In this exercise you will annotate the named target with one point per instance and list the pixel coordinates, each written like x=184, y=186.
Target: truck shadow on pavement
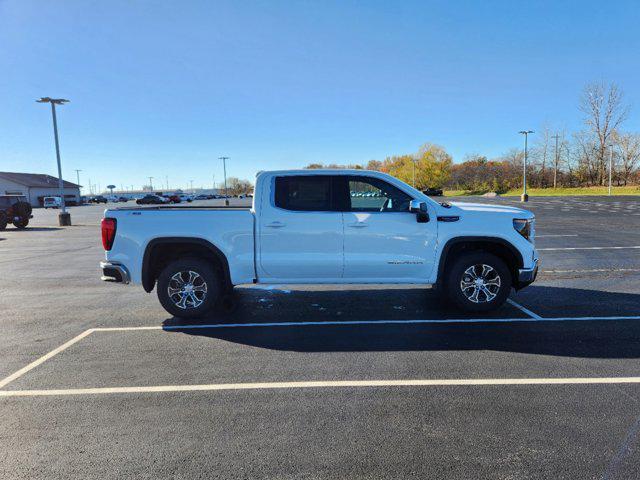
x=589, y=339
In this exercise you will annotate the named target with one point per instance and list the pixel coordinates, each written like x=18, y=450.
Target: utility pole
x=166, y=177
x=610, y=165
x=78, y=180
x=151, y=183
x=64, y=218
x=524, y=197
x=90, y=188
x=555, y=165
x=224, y=167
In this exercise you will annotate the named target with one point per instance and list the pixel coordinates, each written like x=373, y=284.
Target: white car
x=305, y=227
x=52, y=202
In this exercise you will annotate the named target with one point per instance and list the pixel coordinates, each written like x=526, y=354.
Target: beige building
x=36, y=186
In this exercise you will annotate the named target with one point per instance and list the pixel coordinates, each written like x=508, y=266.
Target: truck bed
x=181, y=207
x=229, y=229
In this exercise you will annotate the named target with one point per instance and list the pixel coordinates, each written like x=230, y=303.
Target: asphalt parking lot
x=325, y=382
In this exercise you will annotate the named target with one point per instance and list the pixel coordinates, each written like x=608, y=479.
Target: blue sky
x=165, y=88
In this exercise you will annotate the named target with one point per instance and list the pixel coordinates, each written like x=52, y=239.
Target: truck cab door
x=299, y=231
x=384, y=242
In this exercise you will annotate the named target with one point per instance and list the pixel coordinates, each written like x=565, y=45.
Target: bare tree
x=540, y=154
x=604, y=112
x=628, y=146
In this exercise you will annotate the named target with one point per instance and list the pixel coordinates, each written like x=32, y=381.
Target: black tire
x=21, y=223
x=471, y=266
x=206, y=275
x=3, y=220
x=22, y=209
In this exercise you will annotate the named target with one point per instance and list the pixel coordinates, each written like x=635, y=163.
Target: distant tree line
x=555, y=158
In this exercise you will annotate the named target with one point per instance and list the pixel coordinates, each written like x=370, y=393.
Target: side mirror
x=420, y=209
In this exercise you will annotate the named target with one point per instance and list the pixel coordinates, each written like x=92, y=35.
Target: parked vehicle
x=202, y=197
x=151, y=200
x=123, y=199
x=14, y=209
x=185, y=198
x=433, y=192
x=98, y=199
x=52, y=202
x=310, y=227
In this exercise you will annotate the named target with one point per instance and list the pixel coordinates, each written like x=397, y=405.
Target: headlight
x=524, y=227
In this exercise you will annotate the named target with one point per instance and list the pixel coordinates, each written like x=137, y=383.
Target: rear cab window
x=305, y=193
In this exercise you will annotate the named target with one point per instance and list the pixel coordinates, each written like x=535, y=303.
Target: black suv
x=14, y=209
x=150, y=200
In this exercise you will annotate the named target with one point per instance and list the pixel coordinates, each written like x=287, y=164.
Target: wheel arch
x=500, y=247
x=161, y=251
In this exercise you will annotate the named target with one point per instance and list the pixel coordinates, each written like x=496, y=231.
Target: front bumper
x=526, y=276
x=114, y=272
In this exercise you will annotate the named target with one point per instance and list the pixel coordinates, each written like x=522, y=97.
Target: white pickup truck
x=321, y=226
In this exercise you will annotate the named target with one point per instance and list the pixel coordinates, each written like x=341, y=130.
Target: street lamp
x=224, y=167
x=524, y=197
x=151, y=183
x=64, y=218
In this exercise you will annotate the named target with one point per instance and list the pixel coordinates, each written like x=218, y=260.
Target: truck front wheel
x=188, y=288
x=478, y=282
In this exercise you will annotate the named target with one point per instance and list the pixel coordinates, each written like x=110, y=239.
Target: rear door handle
x=275, y=224
x=358, y=225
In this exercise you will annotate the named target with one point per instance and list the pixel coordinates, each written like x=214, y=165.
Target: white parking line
x=534, y=319
x=593, y=270
x=44, y=358
x=325, y=384
x=559, y=235
x=523, y=309
x=399, y=322
x=587, y=248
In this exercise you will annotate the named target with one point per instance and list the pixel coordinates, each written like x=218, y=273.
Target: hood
x=486, y=208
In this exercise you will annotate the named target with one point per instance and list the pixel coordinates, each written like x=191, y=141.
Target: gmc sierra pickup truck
x=321, y=226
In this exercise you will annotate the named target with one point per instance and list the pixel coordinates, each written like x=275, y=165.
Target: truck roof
x=321, y=171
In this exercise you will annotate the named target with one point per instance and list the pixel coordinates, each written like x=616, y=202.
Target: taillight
x=108, y=232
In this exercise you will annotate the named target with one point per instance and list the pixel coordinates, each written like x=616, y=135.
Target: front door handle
x=275, y=224
x=358, y=225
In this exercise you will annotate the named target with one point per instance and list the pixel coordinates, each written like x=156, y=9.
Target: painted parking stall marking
x=326, y=384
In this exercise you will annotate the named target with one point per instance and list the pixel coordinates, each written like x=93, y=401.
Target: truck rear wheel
x=188, y=288
x=478, y=282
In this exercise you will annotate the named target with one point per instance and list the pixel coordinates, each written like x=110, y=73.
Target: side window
x=374, y=195
x=304, y=193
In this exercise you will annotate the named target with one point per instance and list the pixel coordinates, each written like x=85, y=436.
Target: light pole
x=64, y=218
x=524, y=197
x=78, y=180
x=151, y=183
x=191, y=182
x=610, y=165
x=224, y=167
